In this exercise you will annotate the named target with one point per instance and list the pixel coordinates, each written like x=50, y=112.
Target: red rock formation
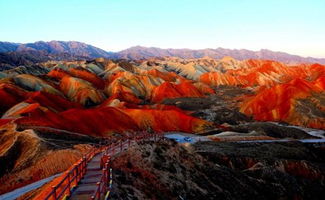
x=4, y=121
x=10, y=95
x=58, y=73
x=147, y=86
x=94, y=122
x=81, y=91
x=278, y=103
x=33, y=83
x=52, y=102
x=88, y=76
x=78, y=73
x=21, y=109
x=262, y=73
x=139, y=85
x=166, y=76
x=111, y=77
x=170, y=90
x=122, y=96
x=166, y=120
x=204, y=88
x=105, y=120
x=217, y=78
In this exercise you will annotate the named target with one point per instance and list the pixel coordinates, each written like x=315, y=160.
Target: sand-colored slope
x=30, y=158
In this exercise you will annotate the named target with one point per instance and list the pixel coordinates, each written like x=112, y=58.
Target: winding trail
x=88, y=185
x=91, y=176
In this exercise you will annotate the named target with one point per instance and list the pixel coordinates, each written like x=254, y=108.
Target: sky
x=292, y=26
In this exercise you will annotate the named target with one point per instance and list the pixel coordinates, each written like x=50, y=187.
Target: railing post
x=54, y=192
x=105, y=178
x=78, y=177
x=98, y=188
x=69, y=184
x=84, y=165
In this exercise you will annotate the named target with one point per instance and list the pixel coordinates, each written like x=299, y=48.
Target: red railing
x=105, y=185
x=72, y=177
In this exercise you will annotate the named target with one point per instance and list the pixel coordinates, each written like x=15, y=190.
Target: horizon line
x=168, y=48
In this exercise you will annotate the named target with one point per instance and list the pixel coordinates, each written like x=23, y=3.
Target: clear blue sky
x=293, y=26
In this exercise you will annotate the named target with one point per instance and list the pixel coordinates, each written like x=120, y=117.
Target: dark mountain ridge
x=16, y=54
x=8, y=47
x=71, y=47
x=77, y=49
x=13, y=59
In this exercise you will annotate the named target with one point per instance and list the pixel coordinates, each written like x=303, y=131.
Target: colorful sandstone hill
x=102, y=96
x=52, y=111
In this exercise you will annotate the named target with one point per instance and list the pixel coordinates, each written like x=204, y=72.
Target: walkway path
x=91, y=186
x=91, y=176
x=87, y=185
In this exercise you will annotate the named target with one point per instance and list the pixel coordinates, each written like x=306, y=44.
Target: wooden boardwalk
x=91, y=176
x=87, y=185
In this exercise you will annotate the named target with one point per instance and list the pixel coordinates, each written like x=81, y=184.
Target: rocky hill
x=210, y=170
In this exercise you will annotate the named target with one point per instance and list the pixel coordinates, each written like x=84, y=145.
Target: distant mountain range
x=140, y=52
x=20, y=54
x=15, y=54
x=12, y=59
x=56, y=47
